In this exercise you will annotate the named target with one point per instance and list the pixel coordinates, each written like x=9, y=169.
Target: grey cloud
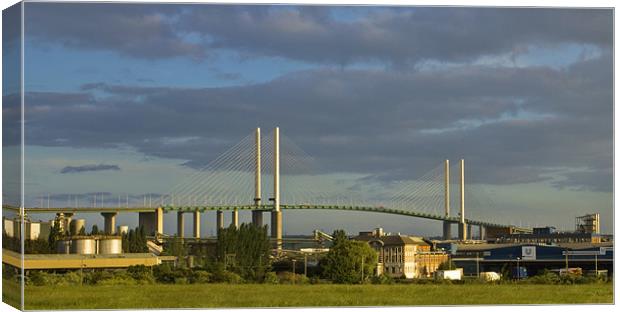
x=364, y=121
x=89, y=168
x=397, y=35
x=136, y=30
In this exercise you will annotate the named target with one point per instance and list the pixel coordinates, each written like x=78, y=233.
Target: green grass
x=256, y=295
x=11, y=293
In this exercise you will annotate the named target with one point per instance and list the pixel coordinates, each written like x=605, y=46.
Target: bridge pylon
x=257, y=215
x=447, y=225
x=276, y=214
x=462, y=225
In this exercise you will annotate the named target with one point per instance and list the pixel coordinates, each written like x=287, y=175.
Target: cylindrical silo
x=63, y=246
x=83, y=246
x=110, y=245
x=123, y=229
x=77, y=225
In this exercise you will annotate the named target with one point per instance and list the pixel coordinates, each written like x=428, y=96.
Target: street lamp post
x=294, y=270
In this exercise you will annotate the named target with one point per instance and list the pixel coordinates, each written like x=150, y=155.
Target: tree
x=447, y=265
x=54, y=236
x=94, y=230
x=347, y=259
x=244, y=250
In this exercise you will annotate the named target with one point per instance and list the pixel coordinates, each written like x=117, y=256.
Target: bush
x=200, y=277
x=141, y=273
x=290, y=278
x=382, y=279
x=271, y=278
x=544, y=278
x=227, y=277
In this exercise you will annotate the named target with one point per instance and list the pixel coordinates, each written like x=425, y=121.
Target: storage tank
x=63, y=246
x=77, y=225
x=84, y=246
x=111, y=245
x=122, y=229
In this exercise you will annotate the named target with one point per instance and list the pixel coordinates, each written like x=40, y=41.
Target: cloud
x=393, y=35
x=511, y=124
x=141, y=31
x=89, y=168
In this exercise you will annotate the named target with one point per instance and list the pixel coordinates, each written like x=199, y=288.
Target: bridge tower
x=462, y=225
x=257, y=215
x=276, y=213
x=447, y=225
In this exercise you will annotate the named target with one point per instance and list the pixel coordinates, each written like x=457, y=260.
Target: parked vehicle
x=449, y=274
x=490, y=276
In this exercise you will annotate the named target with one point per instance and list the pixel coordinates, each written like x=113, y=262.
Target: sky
x=131, y=99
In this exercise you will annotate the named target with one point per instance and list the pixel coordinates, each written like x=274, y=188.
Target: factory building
x=548, y=235
x=33, y=230
x=474, y=258
x=403, y=256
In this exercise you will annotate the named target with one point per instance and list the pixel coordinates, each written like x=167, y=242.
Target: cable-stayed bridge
x=270, y=173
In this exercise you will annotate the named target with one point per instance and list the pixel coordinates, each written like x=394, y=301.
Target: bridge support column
x=219, y=220
x=462, y=225
x=276, y=214
x=482, y=231
x=153, y=222
x=196, y=224
x=257, y=218
x=257, y=215
x=180, y=225
x=109, y=222
x=470, y=232
x=235, y=218
x=447, y=230
x=463, y=231
x=68, y=216
x=276, y=228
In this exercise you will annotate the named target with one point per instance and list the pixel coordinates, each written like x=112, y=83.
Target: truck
x=449, y=274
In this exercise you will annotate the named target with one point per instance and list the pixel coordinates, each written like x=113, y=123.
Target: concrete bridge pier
x=235, y=218
x=152, y=221
x=219, y=220
x=463, y=231
x=196, y=224
x=276, y=228
x=257, y=218
x=109, y=222
x=180, y=225
x=469, y=231
x=447, y=230
x=482, y=231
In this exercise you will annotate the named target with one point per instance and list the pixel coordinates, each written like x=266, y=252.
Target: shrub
x=290, y=278
x=271, y=278
x=382, y=279
x=222, y=276
x=200, y=277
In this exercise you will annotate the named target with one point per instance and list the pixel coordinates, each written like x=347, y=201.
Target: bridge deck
x=377, y=209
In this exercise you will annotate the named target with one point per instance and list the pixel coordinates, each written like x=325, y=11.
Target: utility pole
x=362, y=281
x=294, y=277
x=306, y=265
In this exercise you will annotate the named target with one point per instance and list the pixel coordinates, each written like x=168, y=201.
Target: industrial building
x=33, y=230
x=475, y=258
x=403, y=256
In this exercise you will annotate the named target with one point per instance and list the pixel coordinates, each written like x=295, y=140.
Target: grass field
x=11, y=293
x=256, y=295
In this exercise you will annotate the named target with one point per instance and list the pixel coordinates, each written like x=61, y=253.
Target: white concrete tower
x=276, y=214
x=447, y=233
x=257, y=216
x=462, y=225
